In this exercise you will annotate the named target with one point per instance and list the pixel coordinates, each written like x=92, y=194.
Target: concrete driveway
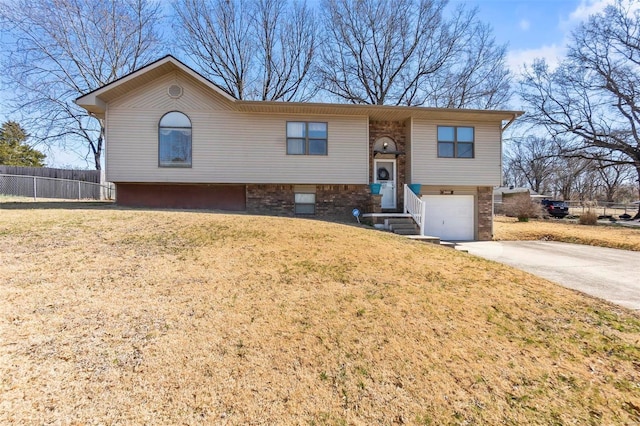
x=609, y=274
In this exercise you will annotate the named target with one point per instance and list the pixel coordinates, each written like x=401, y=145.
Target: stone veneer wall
x=396, y=131
x=485, y=213
x=335, y=201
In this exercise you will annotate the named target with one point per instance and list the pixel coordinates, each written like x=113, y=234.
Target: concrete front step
x=436, y=240
x=450, y=245
x=406, y=231
x=402, y=226
x=424, y=238
x=399, y=220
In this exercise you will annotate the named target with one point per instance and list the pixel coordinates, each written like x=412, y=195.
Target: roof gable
x=95, y=101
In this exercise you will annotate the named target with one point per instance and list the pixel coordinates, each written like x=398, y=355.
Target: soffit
x=375, y=112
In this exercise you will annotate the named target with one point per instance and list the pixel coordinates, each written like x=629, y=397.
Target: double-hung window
x=306, y=138
x=455, y=142
x=305, y=203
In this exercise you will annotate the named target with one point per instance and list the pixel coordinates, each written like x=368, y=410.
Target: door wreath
x=383, y=174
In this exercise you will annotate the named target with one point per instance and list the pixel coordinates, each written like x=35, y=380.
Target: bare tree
x=533, y=160
x=539, y=163
x=287, y=39
x=579, y=177
x=477, y=77
x=569, y=177
x=612, y=174
x=406, y=53
x=60, y=49
x=253, y=49
x=591, y=99
x=216, y=35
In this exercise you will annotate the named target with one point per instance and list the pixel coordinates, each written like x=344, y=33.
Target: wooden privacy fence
x=48, y=172
x=43, y=187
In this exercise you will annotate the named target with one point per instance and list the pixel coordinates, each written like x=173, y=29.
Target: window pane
x=305, y=198
x=175, y=147
x=445, y=149
x=318, y=130
x=317, y=146
x=175, y=119
x=305, y=208
x=465, y=150
x=295, y=146
x=446, y=134
x=295, y=130
x=465, y=134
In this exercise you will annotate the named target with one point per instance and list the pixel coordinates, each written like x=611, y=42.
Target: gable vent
x=174, y=91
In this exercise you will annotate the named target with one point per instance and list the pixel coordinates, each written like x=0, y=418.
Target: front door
x=385, y=174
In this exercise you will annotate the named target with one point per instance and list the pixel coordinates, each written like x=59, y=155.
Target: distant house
x=502, y=193
x=175, y=139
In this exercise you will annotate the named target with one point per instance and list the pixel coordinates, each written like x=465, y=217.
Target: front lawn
x=111, y=316
x=613, y=236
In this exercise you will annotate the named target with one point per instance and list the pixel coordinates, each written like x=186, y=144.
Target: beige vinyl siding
x=227, y=146
x=485, y=169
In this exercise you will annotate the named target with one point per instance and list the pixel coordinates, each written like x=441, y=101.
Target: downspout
x=501, y=170
x=510, y=122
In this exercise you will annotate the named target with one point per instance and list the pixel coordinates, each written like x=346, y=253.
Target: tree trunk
x=637, y=164
x=97, y=148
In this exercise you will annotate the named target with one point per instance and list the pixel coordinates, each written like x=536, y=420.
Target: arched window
x=174, y=140
x=384, y=145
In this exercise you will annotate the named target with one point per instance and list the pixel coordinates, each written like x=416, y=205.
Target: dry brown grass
x=133, y=317
x=613, y=236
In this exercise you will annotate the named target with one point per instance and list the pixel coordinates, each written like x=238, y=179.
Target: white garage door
x=450, y=217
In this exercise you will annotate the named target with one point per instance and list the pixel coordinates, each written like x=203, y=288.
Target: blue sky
x=534, y=28
x=531, y=28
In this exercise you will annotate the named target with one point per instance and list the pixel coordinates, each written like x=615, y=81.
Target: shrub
x=522, y=207
x=588, y=218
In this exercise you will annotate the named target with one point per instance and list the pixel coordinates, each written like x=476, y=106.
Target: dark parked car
x=555, y=208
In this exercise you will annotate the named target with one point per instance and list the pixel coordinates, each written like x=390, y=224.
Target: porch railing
x=415, y=207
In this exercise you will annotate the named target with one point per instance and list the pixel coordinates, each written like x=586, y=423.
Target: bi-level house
x=174, y=139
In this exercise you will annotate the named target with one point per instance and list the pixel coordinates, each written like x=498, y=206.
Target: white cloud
x=587, y=8
x=553, y=54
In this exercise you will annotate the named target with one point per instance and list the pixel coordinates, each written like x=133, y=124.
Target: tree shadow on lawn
x=111, y=205
x=98, y=205
x=59, y=205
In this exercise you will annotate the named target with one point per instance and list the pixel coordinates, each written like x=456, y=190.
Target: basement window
x=305, y=203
